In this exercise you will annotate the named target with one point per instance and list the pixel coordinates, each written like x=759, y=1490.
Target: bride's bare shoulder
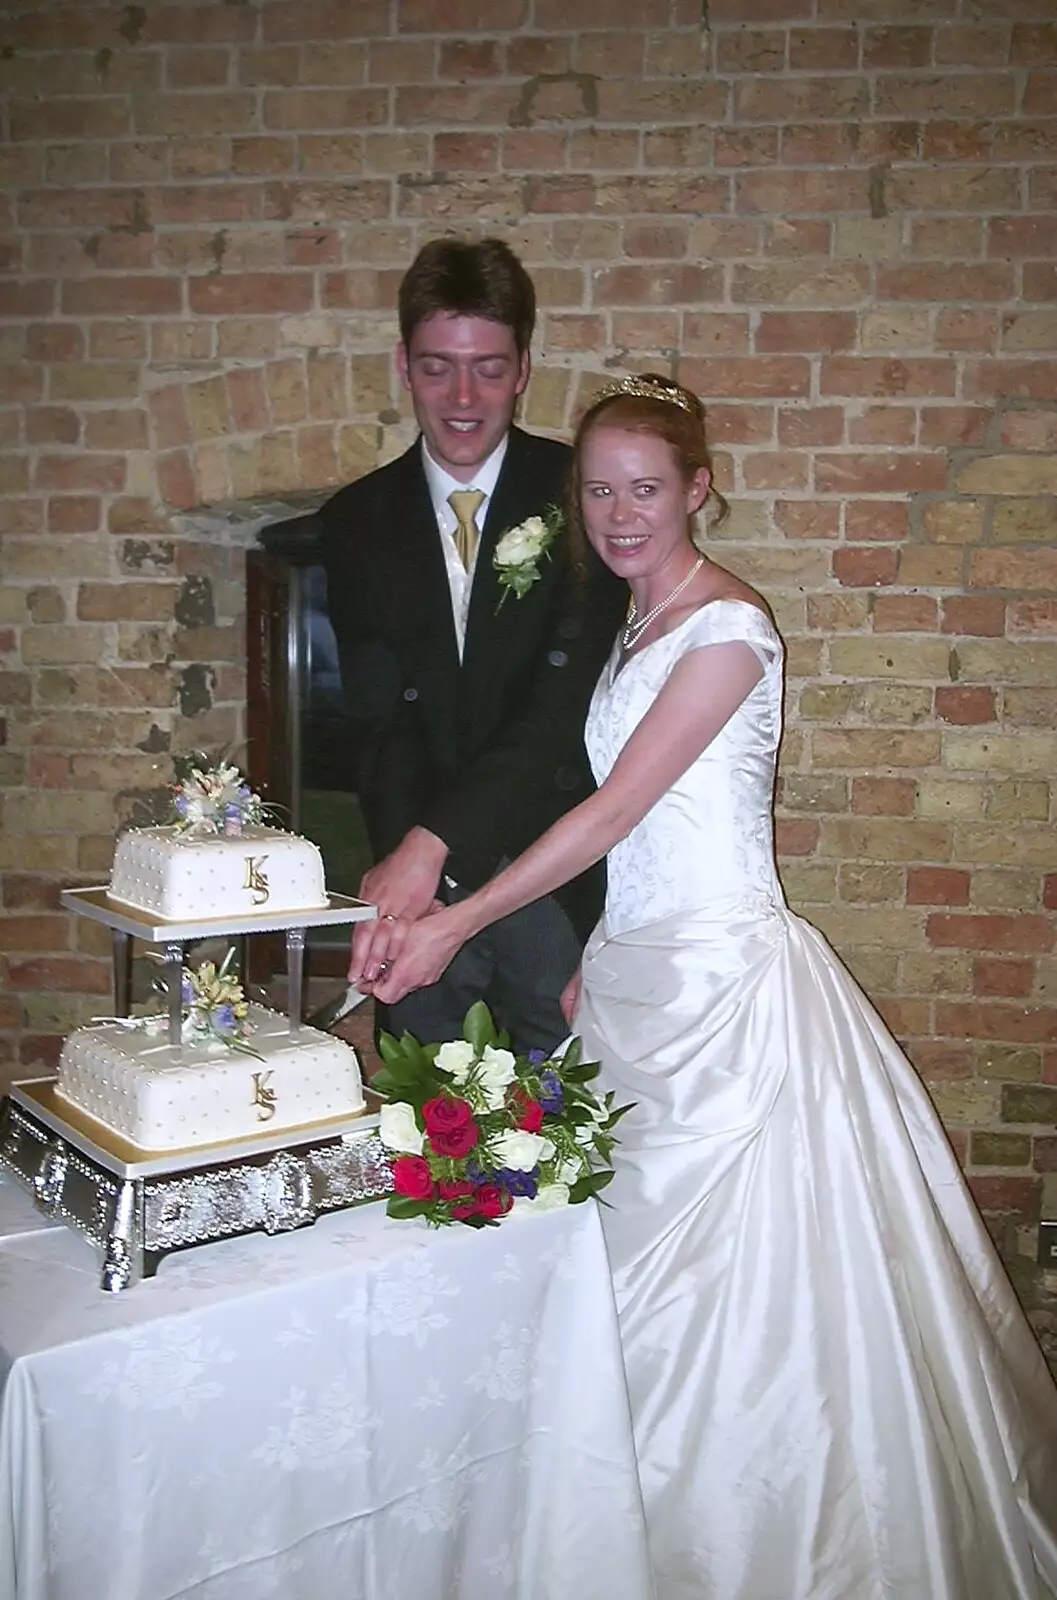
x=727, y=587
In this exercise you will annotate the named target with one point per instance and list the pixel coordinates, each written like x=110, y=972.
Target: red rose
x=531, y=1119
x=455, y=1142
x=492, y=1201
x=457, y=1189
x=444, y=1114
x=412, y=1177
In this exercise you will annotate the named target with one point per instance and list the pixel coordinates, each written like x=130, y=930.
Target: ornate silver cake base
x=136, y=1208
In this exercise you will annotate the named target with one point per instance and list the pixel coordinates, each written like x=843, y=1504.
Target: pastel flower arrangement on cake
x=520, y=550
x=215, y=1011
x=476, y=1132
x=215, y=799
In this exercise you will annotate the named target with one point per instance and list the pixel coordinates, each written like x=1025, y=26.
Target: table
x=367, y=1409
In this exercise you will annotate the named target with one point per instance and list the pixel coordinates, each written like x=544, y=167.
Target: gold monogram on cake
x=263, y=1096
x=256, y=879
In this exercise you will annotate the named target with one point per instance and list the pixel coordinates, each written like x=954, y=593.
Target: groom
x=469, y=712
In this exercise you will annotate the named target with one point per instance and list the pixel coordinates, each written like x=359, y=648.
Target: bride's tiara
x=645, y=388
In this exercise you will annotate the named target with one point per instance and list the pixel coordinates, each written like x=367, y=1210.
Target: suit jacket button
x=558, y=658
x=410, y=694
x=565, y=778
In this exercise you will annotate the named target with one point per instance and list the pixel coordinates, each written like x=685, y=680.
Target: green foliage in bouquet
x=475, y=1131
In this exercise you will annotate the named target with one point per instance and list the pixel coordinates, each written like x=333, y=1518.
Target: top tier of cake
x=180, y=876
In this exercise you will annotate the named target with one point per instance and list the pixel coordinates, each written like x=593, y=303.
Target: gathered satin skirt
x=836, y=1394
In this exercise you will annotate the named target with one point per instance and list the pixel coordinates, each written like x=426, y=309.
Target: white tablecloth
x=366, y=1410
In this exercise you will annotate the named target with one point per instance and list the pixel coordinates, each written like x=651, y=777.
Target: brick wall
x=835, y=218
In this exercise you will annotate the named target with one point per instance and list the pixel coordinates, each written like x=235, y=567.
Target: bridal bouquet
x=475, y=1131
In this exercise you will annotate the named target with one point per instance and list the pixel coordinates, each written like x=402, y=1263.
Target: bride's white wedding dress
x=836, y=1394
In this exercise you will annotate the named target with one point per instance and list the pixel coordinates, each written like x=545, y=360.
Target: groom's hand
x=404, y=883
x=403, y=886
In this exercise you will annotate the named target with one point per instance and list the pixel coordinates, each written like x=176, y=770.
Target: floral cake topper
x=215, y=800
x=520, y=550
x=215, y=1012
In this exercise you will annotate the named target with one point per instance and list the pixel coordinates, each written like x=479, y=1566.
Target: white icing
x=165, y=1097
x=179, y=877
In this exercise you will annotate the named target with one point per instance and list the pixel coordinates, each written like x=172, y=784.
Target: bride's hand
x=425, y=951
x=570, y=996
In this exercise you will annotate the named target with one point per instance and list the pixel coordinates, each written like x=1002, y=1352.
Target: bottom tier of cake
x=167, y=1097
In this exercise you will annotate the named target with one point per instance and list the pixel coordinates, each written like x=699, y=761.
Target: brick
x=286, y=109
x=1011, y=380
x=885, y=424
x=879, y=474
x=740, y=424
x=823, y=49
x=861, y=748
x=663, y=284
x=1029, y=1103
x=790, y=192
x=946, y=282
x=891, y=376
x=52, y=425
x=806, y=519
x=953, y=425
x=74, y=513
x=37, y=931
x=799, y=285
x=62, y=974
x=783, y=331
x=983, y=615
x=250, y=292
x=980, y=188
x=979, y=45
x=123, y=296
x=754, y=377
x=904, y=613
x=1014, y=569
x=1009, y=474
x=791, y=99
x=965, y=706
x=1030, y=330
x=816, y=425
x=865, y=568
x=659, y=192
x=104, y=474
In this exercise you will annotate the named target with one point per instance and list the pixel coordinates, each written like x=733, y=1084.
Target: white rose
x=520, y=1151
x=522, y=543
x=398, y=1129
x=569, y=1171
x=495, y=1075
x=456, y=1058
x=550, y=1197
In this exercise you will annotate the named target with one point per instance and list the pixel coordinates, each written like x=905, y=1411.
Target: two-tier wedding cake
x=238, y=1070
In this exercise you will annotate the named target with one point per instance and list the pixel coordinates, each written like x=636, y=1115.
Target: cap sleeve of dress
x=734, y=621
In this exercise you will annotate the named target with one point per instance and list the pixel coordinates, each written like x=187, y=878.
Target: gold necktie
x=464, y=503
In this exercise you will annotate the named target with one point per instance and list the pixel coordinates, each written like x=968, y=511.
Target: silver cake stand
x=137, y=1206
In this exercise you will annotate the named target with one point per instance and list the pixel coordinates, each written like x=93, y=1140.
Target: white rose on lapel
x=520, y=550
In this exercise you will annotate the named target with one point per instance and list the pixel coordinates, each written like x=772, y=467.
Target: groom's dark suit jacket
x=485, y=753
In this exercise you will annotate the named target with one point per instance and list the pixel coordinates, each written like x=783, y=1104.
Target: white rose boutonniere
x=520, y=550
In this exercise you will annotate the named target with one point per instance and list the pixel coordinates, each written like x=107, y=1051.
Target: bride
x=836, y=1395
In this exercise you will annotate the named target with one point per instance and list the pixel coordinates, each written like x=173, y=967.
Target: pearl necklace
x=636, y=626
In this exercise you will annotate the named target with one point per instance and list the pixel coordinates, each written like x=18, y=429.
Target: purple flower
x=525, y=1183
x=551, y=1095
x=224, y=1017
x=536, y=1057
x=187, y=993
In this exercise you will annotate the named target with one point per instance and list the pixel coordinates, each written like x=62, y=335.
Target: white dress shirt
x=441, y=484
